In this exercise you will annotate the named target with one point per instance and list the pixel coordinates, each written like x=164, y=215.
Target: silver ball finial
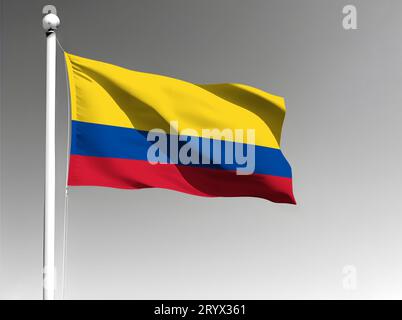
x=50, y=22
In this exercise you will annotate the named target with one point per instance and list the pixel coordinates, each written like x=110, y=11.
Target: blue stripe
x=90, y=139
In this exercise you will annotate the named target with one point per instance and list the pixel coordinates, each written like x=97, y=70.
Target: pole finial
x=50, y=21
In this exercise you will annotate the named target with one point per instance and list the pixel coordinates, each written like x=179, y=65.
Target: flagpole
x=50, y=23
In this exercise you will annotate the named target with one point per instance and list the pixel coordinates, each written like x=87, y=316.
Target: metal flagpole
x=50, y=23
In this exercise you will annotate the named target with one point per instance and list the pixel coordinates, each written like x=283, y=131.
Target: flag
x=135, y=130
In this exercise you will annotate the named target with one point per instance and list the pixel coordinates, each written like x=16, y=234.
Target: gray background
x=341, y=135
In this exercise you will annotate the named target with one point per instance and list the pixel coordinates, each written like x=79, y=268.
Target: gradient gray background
x=341, y=135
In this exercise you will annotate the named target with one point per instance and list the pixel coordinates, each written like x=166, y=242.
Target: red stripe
x=138, y=174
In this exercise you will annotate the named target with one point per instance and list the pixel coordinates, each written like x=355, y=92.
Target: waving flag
x=136, y=130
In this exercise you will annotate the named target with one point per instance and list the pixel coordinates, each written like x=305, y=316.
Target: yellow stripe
x=106, y=94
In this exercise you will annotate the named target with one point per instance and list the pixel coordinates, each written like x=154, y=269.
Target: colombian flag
x=114, y=110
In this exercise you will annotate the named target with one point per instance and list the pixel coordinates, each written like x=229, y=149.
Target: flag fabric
x=135, y=130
